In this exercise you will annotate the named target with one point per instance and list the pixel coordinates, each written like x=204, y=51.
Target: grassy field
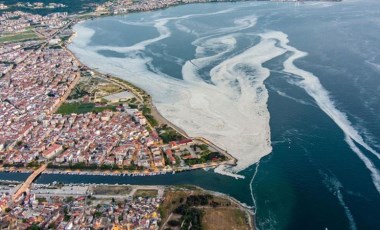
x=109, y=88
x=234, y=218
x=146, y=193
x=111, y=190
x=68, y=108
x=172, y=200
x=217, y=212
x=168, y=134
x=27, y=35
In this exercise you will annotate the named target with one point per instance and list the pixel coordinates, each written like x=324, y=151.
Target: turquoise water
x=323, y=171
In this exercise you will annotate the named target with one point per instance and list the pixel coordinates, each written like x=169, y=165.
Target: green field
x=145, y=193
x=68, y=108
x=27, y=35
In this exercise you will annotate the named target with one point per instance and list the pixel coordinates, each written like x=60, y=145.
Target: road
x=67, y=191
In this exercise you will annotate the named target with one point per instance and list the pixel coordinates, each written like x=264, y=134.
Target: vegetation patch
x=27, y=35
x=168, y=134
x=146, y=193
x=78, y=108
x=223, y=216
x=197, y=209
x=206, y=157
x=111, y=190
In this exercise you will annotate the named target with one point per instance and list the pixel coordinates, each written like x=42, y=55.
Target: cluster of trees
x=18, y=165
x=203, y=147
x=196, y=200
x=206, y=158
x=33, y=164
x=147, y=113
x=84, y=166
x=73, y=166
x=167, y=134
x=132, y=106
x=191, y=216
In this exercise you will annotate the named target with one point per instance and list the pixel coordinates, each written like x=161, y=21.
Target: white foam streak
x=160, y=25
x=283, y=94
x=314, y=88
x=251, y=187
x=334, y=185
x=164, y=32
x=223, y=170
x=233, y=112
x=375, y=174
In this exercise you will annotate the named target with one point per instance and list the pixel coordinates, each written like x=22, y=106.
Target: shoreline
x=247, y=210
x=196, y=116
x=155, y=112
x=108, y=172
x=232, y=161
x=132, y=89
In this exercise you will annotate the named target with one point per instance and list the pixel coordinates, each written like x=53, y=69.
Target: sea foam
x=231, y=111
x=311, y=84
x=231, y=108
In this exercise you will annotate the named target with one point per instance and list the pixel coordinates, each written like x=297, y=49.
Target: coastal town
x=59, y=206
x=58, y=116
x=104, y=206
x=270, y=82
x=104, y=129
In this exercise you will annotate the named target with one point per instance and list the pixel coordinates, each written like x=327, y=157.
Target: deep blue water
x=312, y=179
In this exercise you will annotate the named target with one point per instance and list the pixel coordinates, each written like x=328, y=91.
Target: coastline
x=232, y=161
x=159, y=117
x=194, y=110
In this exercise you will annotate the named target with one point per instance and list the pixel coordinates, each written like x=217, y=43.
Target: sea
x=292, y=90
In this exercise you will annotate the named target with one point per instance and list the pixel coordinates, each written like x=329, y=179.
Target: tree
x=174, y=223
x=34, y=227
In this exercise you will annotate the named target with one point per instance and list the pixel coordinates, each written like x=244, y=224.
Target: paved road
x=85, y=190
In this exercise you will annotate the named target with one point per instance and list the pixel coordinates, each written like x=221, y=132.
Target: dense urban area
x=55, y=111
